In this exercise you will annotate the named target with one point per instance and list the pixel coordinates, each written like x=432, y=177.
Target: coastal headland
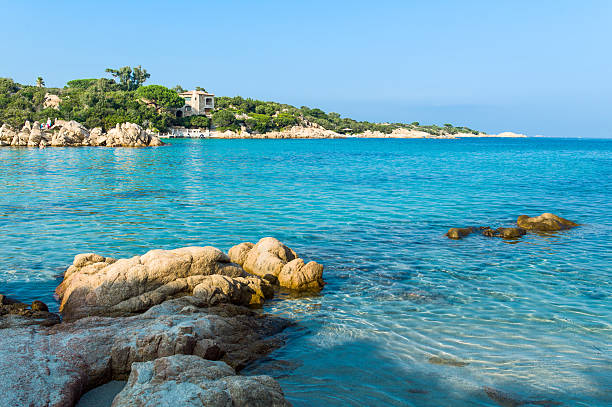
x=99, y=112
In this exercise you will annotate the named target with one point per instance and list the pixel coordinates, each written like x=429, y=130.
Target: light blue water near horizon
x=530, y=317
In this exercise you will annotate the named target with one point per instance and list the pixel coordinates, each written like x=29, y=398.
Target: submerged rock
x=277, y=263
x=505, y=233
x=546, y=222
x=458, y=233
x=187, y=380
x=437, y=360
x=508, y=400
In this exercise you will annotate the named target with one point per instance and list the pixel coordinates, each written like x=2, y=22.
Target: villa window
x=188, y=108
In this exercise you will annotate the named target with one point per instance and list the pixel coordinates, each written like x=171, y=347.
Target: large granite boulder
x=7, y=134
x=130, y=135
x=53, y=366
x=188, y=380
x=301, y=277
x=71, y=133
x=216, y=289
x=97, y=285
x=277, y=263
x=546, y=222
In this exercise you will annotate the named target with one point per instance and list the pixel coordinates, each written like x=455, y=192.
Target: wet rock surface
x=546, y=222
x=458, y=233
x=504, y=233
x=13, y=312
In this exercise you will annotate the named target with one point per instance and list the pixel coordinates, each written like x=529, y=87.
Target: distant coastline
x=317, y=132
x=103, y=103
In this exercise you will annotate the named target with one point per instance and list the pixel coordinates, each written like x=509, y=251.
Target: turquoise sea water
x=532, y=317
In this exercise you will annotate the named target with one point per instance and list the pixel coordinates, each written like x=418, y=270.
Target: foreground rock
x=546, y=222
x=73, y=134
x=97, y=285
x=186, y=380
x=119, y=313
x=54, y=366
x=277, y=263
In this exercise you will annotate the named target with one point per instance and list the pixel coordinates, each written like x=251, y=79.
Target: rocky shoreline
x=177, y=324
x=73, y=134
x=314, y=131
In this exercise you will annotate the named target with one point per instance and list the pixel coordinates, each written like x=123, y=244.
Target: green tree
x=178, y=89
x=139, y=76
x=285, y=120
x=224, y=119
x=160, y=96
x=200, y=89
x=81, y=83
x=130, y=79
x=40, y=82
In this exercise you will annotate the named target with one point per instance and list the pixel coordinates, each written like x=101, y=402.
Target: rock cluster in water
x=136, y=317
x=278, y=264
x=546, y=222
x=73, y=134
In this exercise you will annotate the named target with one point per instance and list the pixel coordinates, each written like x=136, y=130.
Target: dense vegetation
x=105, y=102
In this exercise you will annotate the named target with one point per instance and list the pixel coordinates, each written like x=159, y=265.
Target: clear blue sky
x=539, y=67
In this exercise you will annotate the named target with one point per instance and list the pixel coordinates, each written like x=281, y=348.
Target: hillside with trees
x=104, y=102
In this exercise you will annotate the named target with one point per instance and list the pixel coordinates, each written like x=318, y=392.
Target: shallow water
x=530, y=317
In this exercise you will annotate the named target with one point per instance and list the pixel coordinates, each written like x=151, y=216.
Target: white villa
x=197, y=102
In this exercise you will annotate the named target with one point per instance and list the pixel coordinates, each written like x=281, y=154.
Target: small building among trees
x=197, y=102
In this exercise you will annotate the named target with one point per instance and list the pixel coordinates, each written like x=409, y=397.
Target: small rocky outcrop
x=459, y=233
x=35, y=314
x=97, y=285
x=73, y=134
x=187, y=380
x=277, y=263
x=7, y=134
x=130, y=135
x=504, y=233
x=546, y=222
x=51, y=101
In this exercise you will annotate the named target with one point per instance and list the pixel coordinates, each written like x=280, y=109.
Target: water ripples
x=530, y=317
